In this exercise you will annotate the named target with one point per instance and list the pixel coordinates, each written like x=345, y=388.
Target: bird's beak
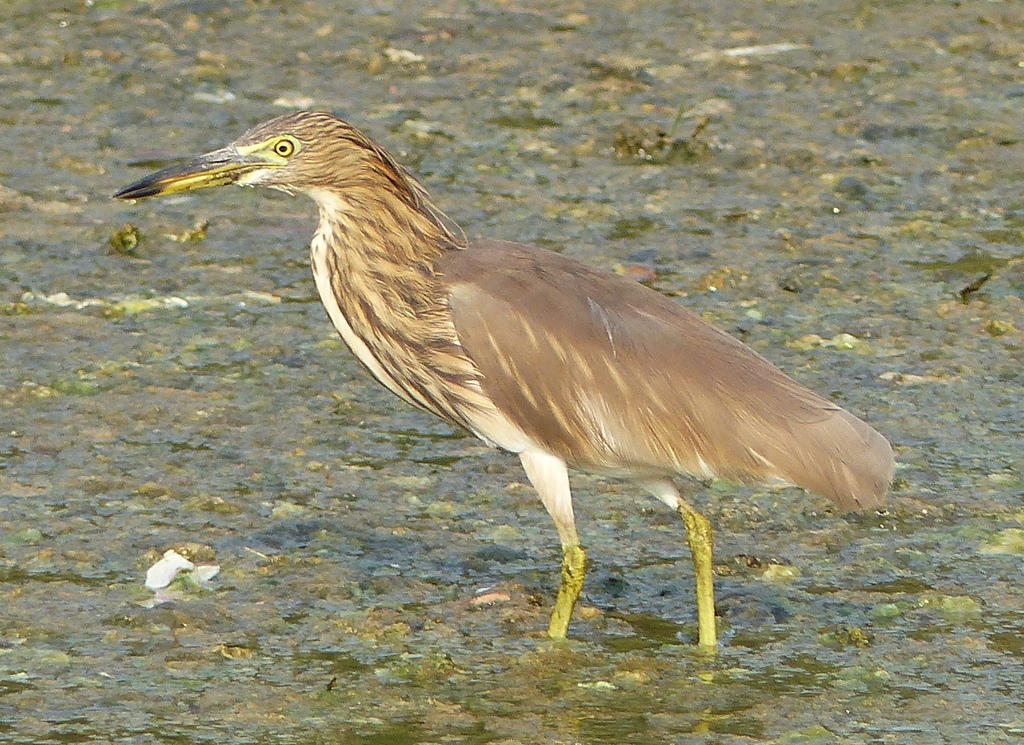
x=224, y=166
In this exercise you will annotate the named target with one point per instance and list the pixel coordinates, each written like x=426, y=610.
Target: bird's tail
x=839, y=457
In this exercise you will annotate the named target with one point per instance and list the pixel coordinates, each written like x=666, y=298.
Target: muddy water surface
x=836, y=183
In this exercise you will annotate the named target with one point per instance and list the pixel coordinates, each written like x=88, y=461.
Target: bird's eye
x=284, y=148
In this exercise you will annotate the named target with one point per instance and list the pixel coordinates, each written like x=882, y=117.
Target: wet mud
x=835, y=183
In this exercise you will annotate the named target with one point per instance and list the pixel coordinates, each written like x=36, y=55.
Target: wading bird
x=563, y=364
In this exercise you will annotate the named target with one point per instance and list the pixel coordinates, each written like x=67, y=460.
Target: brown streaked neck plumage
x=373, y=258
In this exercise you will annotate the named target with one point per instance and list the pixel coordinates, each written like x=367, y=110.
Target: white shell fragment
x=164, y=571
x=170, y=565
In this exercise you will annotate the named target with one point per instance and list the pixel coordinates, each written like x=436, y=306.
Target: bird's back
x=612, y=376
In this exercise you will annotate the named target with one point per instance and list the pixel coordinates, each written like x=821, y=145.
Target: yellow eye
x=284, y=148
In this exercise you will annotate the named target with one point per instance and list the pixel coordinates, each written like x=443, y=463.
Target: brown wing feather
x=567, y=350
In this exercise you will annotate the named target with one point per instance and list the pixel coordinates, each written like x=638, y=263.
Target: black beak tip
x=138, y=190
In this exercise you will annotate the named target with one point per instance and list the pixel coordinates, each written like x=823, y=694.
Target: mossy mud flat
x=836, y=183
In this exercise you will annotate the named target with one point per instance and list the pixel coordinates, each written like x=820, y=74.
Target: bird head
x=343, y=170
x=304, y=151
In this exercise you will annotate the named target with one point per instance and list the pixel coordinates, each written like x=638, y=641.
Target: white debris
x=170, y=565
x=128, y=304
x=221, y=96
x=295, y=101
x=402, y=56
x=760, y=50
x=164, y=571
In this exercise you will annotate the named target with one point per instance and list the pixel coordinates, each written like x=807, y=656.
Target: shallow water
x=839, y=169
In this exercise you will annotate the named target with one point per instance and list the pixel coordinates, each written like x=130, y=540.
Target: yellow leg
x=548, y=474
x=698, y=535
x=574, y=569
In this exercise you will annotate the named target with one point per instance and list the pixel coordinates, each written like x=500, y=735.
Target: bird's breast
x=418, y=359
x=323, y=269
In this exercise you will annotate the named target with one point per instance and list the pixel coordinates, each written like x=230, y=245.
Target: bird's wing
x=612, y=376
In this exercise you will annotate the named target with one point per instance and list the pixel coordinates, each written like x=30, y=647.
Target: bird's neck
x=373, y=259
x=388, y=226
x=381, y=252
